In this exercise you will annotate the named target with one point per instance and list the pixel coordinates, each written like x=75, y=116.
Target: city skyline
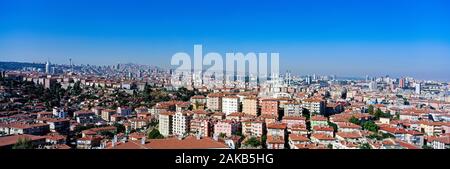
x=409, y=38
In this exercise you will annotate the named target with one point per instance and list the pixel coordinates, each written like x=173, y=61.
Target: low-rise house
x=318, y=120
x=56, y=125
x=414, y=137
x=297, y=139
x=275, y=142
x=138, y=123
x=441, y=143
x=323, y=130
x=399, y=133
x=89, y=142
x=354, y=137
x=299, y=129
x=293, y=120
x=347, y=127
x=322, y=138
x=189, y=142
x=23, y=128
x=7, y=142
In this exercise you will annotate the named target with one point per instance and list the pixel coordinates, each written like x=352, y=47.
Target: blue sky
x=342, y=37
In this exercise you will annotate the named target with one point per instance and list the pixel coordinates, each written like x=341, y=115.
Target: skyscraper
x=402, y=83
x=373, y=86
x=418, y=88
x=47, y=67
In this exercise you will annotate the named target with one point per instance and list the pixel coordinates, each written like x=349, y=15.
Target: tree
x=222, y=135
x=365, y=146
x=253, y=142
x=76, y=89
x=107, y=134
x=370, y=125
x=335, y=127
x=120, y=127
x=354, y=120
x=154, y=134
x=23, y=143
x=306, y=114
x=426, y=147
x=387, y=135
x=380, y=113
x=263, y=139
x=370, y=109
x=330, y=146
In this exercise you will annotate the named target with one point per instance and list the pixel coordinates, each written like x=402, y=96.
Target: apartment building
x=165, y=123
x=214, y=101
x=250, y=105
x=230, y=104
x=180, y=123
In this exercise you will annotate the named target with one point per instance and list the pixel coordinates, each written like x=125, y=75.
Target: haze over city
x=358, y=38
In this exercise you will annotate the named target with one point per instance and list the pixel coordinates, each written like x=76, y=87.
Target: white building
x=418, y=88
x=47, y=67
x=181, y=121
x=230, y=104
x=165, y=123
x=59, y=113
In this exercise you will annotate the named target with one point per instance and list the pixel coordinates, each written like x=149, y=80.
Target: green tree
x=253, y=142
x=154, y=134
x=426, y=147
x=23, y=143
x=120, y=127
x=107, y=134
x=370, y=109
x=222, y=135
x=306, y=114
x=365, y=146
x=335, y=127
x=380, y=113
x=370, y=125
x=263, y=139
x=329, y=146
x=354, y=120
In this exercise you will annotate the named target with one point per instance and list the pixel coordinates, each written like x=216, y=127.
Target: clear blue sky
x=342, y=37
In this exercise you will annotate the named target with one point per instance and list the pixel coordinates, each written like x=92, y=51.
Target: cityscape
x=132, y=106
x=262, y=75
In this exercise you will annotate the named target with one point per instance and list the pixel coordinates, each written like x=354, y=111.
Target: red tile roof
x=321, y=136
x=189, y=142
x=11, y=140
x=349, y=135
x=297, y=137
x=277, y=126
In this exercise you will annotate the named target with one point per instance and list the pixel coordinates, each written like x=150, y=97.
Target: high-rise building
x=47, y=67
x=418, y=88
x=373, y=86
x=308, y=79
x=402, y=83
